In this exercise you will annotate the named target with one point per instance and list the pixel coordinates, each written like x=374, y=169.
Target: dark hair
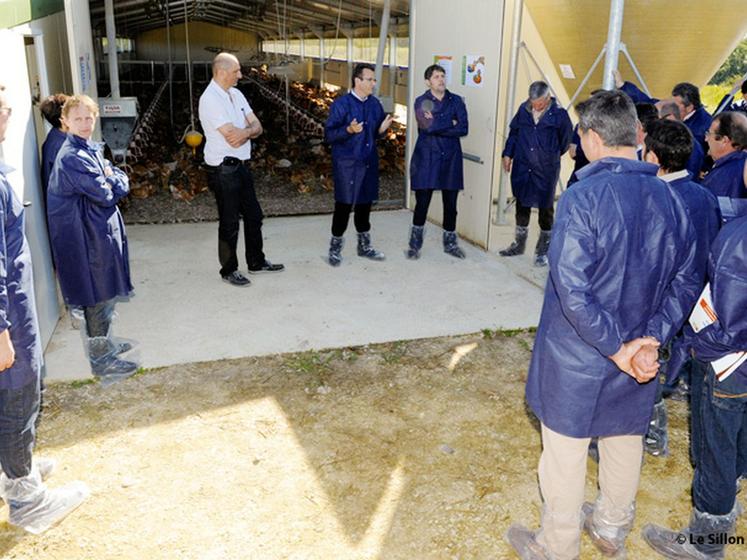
x=611, y=114
x=358, y=72
x=646, y=113
x=733, y=125
x=689, y=93
x=744, y=88
x=672, y=142
x=433, y=68
x=51, y=108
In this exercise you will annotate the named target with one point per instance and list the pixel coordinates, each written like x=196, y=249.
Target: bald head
x=226, y=70
x=224, y=61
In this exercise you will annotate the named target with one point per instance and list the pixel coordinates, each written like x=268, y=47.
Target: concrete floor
x=183, y=313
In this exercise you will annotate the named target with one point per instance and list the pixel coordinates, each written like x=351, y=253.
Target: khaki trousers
x=562, y=477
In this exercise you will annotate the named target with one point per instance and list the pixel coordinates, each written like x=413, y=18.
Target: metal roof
x=268, y=18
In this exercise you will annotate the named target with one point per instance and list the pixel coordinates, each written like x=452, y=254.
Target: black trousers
x=423, y=201
x=233, y=187
x=546, y=216
x=342, y=215
x=99, y=318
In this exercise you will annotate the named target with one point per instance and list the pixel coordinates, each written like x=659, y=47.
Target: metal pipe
x=383, y=33
x=189, y=67
x=171, y=69
x=510, y=102
x=412, y=125
x=624, y=50
x=322, y=61
x=392, y=65
x=583, y=83
x=613, y=43
x=539, y=68
x=111, y=38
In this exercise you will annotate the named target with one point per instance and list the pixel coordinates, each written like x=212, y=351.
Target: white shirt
x=669, y=177
x=217, y=108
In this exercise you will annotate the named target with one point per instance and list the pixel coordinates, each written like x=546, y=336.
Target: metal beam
x=613, y=43
x=383, y=31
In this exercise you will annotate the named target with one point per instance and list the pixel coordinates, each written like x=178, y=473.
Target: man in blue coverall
x=355, y=122
x=622, y=278
x=31, y=505
x=720, y=418
x=727, y=140
x=540, y=133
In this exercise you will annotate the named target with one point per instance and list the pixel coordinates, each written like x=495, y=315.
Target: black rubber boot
x=519, y=244
x=543, y=244
x=416, y=242
x=366, y=250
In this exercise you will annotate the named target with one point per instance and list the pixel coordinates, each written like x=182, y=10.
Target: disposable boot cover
x=712, y=530
x=525, y=543
x=656, y=442
x=335, y=250
x=34, y=507
x=416, y=242
x=451, y=247
x=102, y=354
x=543, y=244
x=518, y=246
x=366, y=250
x=608, y=536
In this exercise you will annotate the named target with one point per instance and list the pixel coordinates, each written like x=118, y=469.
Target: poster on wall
x=445, y=62
x=473, y=71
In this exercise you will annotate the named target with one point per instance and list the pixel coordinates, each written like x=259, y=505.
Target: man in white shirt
x=230, y=125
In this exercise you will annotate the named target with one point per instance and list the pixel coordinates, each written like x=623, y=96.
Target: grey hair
x=670, y=108
x=538, y=90
x=611, y=114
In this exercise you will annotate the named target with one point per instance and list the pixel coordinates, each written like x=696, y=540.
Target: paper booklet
x=703, y=315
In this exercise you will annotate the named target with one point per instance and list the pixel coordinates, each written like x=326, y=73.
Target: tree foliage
x=733, y=67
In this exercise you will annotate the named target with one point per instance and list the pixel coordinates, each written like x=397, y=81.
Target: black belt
x=228, y=161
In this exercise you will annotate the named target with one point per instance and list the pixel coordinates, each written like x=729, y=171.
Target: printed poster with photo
x=473, y=71
x=446, y=63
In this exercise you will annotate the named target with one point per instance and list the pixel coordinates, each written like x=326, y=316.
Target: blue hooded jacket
x=622, y=266
x=86, y=229
x=536, y=150
x=355, y=157
x=437, y=159
x=17, y=303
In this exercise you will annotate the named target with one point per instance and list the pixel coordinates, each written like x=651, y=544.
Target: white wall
x=56, y=52
x=433, y=25
x=20, y=150
x=80, y=45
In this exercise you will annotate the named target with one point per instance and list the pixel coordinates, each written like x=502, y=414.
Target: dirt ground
x=276, y=195
x=412, y=450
